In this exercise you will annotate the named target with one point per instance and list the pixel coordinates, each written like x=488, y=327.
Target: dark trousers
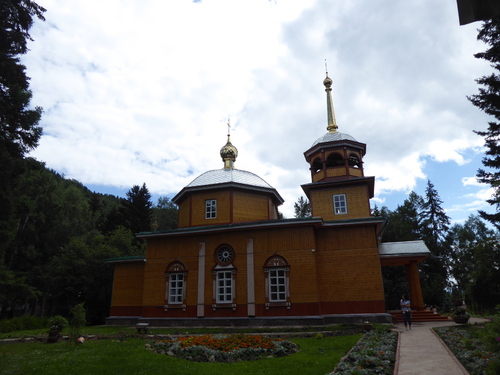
x=407, y=317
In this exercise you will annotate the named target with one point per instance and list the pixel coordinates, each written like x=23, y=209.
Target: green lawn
x=316, y=356
x=113, y=330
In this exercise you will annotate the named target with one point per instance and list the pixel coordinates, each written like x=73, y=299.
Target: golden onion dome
x=228, y=153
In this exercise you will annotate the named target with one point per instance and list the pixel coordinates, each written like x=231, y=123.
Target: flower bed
x=224, y=348
x=469, y=348
x=375, y=353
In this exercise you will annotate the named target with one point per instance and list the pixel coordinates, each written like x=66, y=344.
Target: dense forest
x=59, y=234
x=55, y=234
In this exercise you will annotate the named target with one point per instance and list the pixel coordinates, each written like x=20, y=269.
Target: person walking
x=405, y=309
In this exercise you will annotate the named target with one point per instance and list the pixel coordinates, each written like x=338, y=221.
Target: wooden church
x=232, y=261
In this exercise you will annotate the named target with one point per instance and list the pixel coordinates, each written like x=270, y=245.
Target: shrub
x=58, y=322
x=22, y=323
x=76, y=322
x=492, y=331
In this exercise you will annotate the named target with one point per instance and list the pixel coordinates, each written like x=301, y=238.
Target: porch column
x=416, y=299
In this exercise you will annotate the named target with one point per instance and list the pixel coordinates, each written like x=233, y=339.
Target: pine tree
x=434, y=221
x=488, y=100
x=19, y=124
x=302, y=207
x=165, y=214
x=434, y=228
x=19, y=133
x=139, y=209
x=403, y=224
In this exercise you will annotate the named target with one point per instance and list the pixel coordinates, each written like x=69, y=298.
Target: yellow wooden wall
x=358, y=204
x=326, y=265
x=184, y=213
x=245, y=207
x=223, y=198
x=249, y=207
x=127, y=284
x=349, y=265
x=296, y=246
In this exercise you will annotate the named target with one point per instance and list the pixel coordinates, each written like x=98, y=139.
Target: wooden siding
x=273, y=210
x=353, y=307
x=249, y=207
x=184, y=213
x=335, y=172
x=331, y=270
x=232, y=207
x=349, y=265
x=358, y=204
x=127, y=284
x=347, y=237
x=318, y=176
x=296, y=246
x=223, y=198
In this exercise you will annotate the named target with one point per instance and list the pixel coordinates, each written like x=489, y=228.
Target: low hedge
x=23, y=323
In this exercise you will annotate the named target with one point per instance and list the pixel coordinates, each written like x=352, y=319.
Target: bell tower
x=339, y=189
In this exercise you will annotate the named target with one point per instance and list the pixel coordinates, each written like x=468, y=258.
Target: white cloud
x=140, y=92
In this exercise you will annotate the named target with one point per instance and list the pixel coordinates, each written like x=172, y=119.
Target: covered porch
x=409, y=254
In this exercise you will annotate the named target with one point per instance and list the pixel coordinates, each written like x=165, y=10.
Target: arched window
x=317, y=165
x=334, y=160
x=277, y=272
x=224, y=277
x=176, y=275
x=354, y=161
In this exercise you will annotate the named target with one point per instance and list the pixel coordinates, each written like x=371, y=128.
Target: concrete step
x=417, y=316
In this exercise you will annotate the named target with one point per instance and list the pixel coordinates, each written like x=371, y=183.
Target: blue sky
x=140, y=92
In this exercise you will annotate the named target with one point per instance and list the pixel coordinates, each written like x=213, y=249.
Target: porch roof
x=403, y=252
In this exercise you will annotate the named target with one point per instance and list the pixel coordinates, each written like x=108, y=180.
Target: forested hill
x=55, y=234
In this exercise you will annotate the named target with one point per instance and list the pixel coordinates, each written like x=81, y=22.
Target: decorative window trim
x=224, y=255
x=211, y=209
x=175, y=307
x=175, y=268
x=216, y=306
x=268, y=305
x=277, y=263
x=338, y=207
x=218, y=303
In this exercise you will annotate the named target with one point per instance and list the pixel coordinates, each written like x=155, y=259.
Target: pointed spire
x=332, y=123
x=228, y=152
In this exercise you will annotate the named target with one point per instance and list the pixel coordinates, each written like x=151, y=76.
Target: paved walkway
x=420, y=351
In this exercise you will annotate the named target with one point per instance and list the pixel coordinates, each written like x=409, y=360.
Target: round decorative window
x=224, y=255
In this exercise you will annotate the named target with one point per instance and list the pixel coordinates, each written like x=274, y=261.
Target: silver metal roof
x=330, y=137
x=229, y=178
x=403, y=248
x=221, y=176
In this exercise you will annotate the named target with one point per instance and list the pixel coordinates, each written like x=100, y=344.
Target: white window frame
x=210, y=208
x=176, y=288
x=278, y=290
x=224, y=286
x=340, y=204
